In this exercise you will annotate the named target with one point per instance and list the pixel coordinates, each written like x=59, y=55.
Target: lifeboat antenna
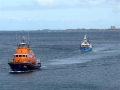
x=17, y=39
x=28, y=39
x=24, y=40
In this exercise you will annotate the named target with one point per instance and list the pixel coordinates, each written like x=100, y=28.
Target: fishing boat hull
x=85, y=49
x=23, y=67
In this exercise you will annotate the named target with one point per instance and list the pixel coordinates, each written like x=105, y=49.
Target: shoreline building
x=113, y=27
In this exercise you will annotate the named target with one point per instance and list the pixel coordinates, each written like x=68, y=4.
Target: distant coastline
x=75, y=30
x=113, y=28
x=79, y=29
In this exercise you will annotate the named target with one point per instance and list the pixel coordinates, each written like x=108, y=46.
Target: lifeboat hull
x=23, y=67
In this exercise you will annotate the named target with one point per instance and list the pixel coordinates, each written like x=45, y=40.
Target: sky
x=59, y=14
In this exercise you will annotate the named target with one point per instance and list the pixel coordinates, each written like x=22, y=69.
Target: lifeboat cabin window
x=23, y=55
x=20, y=55
x=15, y=55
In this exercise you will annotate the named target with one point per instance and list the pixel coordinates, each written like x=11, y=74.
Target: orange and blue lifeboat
x=24, y=59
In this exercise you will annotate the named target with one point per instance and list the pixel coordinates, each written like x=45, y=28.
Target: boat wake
x=10, y=71
x=83, y=57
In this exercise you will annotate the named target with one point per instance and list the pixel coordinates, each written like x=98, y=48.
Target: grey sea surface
x=64, y=66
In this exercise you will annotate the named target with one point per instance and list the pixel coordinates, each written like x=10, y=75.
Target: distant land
x=76, y=30
x=68, y=30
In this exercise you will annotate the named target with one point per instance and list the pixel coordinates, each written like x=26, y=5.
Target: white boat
x=85, y=46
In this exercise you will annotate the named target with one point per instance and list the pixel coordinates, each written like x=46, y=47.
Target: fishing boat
x=24, y=59
x=85, y=46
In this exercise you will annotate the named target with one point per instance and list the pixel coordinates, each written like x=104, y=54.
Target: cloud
x=47, y=2
x=17, y=19
x=116, y=4
x=55, y=4
x=51, y=3
x=96, y=2
x=117, y=8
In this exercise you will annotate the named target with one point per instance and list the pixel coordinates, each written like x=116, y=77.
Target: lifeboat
x=85, y=46
x=24, y=59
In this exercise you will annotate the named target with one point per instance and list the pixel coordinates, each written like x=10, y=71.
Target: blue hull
x=85, y=49
x=23, y=67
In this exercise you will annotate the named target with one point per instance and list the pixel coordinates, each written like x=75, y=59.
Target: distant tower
x=113, y=27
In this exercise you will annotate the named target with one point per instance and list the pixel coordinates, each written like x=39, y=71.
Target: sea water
x=64, y=66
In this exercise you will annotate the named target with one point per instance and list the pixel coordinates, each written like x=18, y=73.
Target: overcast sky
x=58, y=14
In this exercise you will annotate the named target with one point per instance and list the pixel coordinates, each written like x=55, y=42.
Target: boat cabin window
x=15, y=55
x=23, y=55
x=20, y=55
